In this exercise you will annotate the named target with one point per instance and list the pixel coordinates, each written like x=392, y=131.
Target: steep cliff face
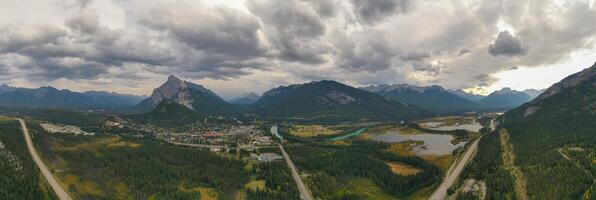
x=192, y=96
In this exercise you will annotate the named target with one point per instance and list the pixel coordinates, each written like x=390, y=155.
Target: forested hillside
x=19, y=176
x=554, y=139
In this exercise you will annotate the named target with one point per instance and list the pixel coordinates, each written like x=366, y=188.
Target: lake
x=434, y=144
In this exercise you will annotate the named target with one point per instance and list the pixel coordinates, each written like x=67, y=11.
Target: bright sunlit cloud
x=539, y=77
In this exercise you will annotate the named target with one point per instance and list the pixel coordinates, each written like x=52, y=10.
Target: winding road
x=60, y=192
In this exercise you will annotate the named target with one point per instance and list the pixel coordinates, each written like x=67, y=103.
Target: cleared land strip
x=520, y=184
x=60, y=192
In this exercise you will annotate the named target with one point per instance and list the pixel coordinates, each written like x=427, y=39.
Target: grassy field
x=384, y=128
x=312, y=130
x=404, y=148
x=442, y=161
x=403, y=169
x=255, y=185
x=363, y=189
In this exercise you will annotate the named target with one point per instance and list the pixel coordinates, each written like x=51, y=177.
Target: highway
x=304, y=193
x=60, y=192
x=454, y=172
x=452, y=175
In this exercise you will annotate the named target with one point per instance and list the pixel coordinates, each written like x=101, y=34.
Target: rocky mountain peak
x=178, y=91
x=174, y=80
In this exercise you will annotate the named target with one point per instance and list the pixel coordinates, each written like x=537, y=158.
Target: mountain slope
x=192, y=96
x=245, y=99
x=554, y=139
x=468, y=96
x=113, y=98
x=433, y=98
x=168, y=114
x=504, y=99
x=49, y=97
x=533, y=92
x=330, y=99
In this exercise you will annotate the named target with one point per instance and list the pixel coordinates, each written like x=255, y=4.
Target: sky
x=238, y=46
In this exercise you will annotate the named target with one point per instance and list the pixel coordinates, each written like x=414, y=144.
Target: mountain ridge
x=327, y=98
x=245, y=98
x=505, y=98
x=432, y=98
x=50, y=97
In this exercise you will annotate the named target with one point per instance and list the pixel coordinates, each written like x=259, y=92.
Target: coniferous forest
x=20, y=177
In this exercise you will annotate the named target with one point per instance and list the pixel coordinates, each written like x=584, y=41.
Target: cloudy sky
x=236, y=46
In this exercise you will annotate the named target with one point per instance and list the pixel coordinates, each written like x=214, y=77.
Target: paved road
x=452, y=175
x=304, y=193
x=44, y=169
x=454, y=172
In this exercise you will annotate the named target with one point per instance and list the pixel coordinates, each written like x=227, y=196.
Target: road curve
x=42, y=167
x=304, y=193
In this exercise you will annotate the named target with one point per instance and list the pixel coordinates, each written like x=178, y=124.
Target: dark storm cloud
x=464, y=52
x=414, y=56
x=83, y=51
x=292, y=28
x=16, y=38
x=218, y=30
x=325, y=8
x=507, y=45
x=367, y=52
x=372, y=11
x=484, y=79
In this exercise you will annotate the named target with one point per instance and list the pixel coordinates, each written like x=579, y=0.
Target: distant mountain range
x=320, y=99
x=49, y=97
x=246, y=99
x=468, y=96
x=433, y=98
x=504, y=99
x=439, y=100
